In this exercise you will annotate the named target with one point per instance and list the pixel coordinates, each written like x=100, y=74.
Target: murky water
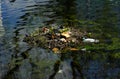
x=18, y=60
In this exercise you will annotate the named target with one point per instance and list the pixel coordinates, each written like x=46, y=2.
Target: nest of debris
x=55, y=38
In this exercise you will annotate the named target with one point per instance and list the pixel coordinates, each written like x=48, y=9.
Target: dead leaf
x=55, y=50
x=73, y=49
x=66, y=34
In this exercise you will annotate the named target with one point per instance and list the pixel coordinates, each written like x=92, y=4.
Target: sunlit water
x=18, y=60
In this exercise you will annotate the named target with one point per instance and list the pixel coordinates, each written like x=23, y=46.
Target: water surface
x=18, y=60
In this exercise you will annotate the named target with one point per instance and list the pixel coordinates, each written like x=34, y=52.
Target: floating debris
x=90, y=40
x=84, y=49
x=63, y=40
x=58, y=38
x=55, y=50
x=74, y=49
x=66, y=34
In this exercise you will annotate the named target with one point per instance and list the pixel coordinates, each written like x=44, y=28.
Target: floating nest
x=56, y=39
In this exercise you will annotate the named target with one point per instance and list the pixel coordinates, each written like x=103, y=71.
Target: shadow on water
x=99, y=61
x=12, y=0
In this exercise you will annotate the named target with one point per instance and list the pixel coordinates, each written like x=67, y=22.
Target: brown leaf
x=74, y=49
x=55, y=50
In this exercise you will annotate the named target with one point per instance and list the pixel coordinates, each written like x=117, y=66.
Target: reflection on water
x=18, y=60
x=1, y=24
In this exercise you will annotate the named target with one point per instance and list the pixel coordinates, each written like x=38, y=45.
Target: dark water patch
x=56, y=69
x=12, y=0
